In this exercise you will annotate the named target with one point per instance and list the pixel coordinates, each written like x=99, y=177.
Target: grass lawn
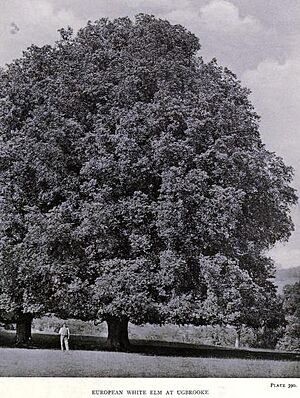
x=45, y=362
x=88, y=358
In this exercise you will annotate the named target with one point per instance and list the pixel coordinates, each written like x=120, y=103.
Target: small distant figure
x=64, y=333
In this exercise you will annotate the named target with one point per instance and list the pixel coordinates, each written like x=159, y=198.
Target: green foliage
x=215, y=335
x=53, y=324
x=134, y=182
x=291, y=338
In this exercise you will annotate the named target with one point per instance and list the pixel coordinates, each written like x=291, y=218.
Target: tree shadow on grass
x=148, y=347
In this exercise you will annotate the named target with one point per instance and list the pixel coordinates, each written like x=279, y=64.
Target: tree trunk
x=238, y=338
x=117, y=339
x=23, y=329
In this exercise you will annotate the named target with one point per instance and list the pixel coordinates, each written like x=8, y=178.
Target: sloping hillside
x=287, y=276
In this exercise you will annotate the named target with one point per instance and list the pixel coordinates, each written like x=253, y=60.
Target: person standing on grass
x=64, y=333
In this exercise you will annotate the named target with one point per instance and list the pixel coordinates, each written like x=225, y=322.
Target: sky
x=259, y=40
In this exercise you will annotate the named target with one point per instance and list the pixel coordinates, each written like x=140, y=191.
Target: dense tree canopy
x=291, y=304
x=134, y=182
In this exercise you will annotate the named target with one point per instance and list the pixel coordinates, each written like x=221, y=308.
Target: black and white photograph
x=149, y=184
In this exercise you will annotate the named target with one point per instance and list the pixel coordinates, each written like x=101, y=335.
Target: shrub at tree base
x=134, y=183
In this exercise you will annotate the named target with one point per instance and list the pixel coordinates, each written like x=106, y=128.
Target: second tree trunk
x=117, y=333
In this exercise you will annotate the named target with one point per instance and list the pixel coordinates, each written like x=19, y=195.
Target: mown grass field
x=54, y=363
x=88, y=358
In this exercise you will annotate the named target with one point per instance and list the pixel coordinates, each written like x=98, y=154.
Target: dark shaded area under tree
x=159, y=348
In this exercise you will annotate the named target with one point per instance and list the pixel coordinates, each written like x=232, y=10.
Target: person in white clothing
x=64, y=333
